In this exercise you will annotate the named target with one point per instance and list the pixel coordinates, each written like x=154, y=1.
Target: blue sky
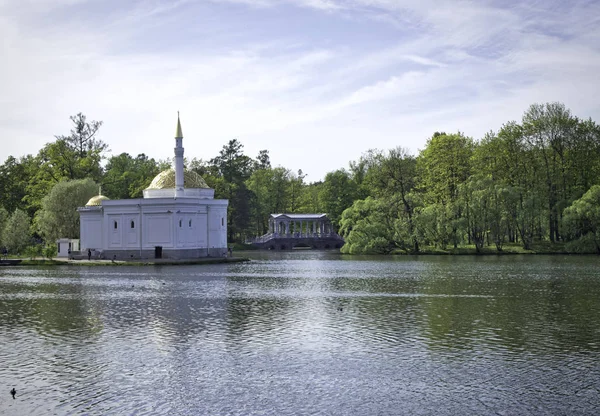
x=315, y=82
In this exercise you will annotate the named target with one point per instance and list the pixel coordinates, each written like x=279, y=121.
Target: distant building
x=65, y=246
x=290, y=231
x=178, y=217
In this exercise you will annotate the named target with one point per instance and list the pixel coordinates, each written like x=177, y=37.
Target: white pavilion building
x=177, y=218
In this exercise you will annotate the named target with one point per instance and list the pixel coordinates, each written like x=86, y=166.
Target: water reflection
x=302, y=333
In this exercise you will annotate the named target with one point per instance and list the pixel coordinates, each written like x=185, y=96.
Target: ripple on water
x=304, y=336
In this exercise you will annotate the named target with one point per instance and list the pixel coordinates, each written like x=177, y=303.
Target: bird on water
x=13, y=392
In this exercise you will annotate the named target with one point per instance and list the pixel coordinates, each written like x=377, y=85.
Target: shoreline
x=137, y=262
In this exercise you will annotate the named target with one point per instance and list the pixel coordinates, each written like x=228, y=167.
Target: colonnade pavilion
x=300, y=225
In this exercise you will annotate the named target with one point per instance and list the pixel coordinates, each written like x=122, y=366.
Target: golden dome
x=96, y=200
x=166, y=180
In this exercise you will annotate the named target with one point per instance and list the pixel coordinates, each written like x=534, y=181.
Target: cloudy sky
x=315, y=82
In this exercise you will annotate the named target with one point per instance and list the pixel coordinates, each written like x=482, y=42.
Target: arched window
x=179, y=223
x=115, y=225
x=132, y=224
x=190, y=223
x=222, y=221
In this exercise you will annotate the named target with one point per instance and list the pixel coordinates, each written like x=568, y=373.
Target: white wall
x=158, y=230
x=217, y=226
x=91, y=230
x=190, y=229
x=203, y=224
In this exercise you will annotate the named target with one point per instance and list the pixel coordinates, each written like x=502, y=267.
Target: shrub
x=50, y=251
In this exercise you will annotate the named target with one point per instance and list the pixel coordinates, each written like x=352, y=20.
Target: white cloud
x=316, y=100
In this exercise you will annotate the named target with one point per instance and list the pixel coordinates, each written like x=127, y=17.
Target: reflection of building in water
x=178, y=217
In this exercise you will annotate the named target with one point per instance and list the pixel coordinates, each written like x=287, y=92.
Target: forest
x=533, y=183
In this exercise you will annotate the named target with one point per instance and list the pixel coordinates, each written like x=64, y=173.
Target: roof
x=166, y=180
x=300, y=216
x=178, y=133
x=96, y=200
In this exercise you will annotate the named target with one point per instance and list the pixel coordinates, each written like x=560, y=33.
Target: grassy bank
x=536, y=248
x=149, y=262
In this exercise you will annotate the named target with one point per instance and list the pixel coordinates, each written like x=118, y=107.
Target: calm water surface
x=304, y=333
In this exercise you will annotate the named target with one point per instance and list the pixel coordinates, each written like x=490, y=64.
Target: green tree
x=367, y=228
x=58, y=217
x=392, y=176
x=583, y=217
x=15, y=175
x=309, y=200
x=76, y=156
x=434, y=225
x=3, y=218
x=338, y=192
x=373, y=226
x=263, y=161
x=478, y=201
x=16, y=235
x=296, y=190
x=232, y=168
x=50, y=251
x=443, y=165
x=232, y=164
x=127, y=177
x=270, y=187
x=548, y=130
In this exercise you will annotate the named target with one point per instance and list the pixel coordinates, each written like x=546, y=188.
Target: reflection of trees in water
x=166, y=311
x=51, y=309
x=258, y=310
x=529, y=307
x=319, y=313
x=54, y=335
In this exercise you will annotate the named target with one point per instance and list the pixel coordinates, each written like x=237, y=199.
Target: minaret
x=178, y=160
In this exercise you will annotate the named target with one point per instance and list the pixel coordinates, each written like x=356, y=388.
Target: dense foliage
x=533, y=181
x=520, y=185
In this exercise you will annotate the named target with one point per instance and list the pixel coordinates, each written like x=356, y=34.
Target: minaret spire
x=178, y=134
x=178, y=160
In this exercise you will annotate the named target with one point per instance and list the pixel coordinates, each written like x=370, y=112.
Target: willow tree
x=16, y=233
x=58, y=216
x=583, y=218
x=371, y=226
x=391, y=176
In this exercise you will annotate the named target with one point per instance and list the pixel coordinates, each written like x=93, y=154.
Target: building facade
x=290, y=231
x=178, y=218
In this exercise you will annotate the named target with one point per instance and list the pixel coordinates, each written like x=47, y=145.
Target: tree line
x=530, y=182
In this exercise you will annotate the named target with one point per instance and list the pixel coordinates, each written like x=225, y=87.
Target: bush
x=50, y=251
x=583, y=245
x=33, y=251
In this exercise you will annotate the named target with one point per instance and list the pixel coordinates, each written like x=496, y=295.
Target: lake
x=305, y=333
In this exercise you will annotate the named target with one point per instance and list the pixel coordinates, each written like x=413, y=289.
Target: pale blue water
x=304, y=333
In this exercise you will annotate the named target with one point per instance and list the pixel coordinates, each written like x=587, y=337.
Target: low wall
x=150, y=254
x=283, y=244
